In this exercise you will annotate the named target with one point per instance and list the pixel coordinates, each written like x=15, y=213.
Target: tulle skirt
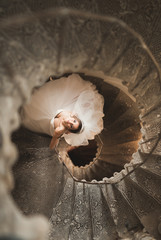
x=70, y=93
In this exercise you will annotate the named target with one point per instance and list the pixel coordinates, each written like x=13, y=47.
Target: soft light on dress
x=70, y=94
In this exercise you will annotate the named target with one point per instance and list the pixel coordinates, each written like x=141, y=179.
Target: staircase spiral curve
x=116, y=193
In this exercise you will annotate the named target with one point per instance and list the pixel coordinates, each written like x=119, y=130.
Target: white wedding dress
x=72, y=94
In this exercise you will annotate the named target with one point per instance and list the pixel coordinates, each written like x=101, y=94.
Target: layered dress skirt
x=72, y=94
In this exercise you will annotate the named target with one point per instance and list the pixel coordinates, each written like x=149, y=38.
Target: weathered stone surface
x=33, y=47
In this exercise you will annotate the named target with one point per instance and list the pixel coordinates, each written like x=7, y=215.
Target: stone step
x=81, y=220
x=146, y=208
x=149, y=162
x=146, y=87
x=127, y=135
x=124, y=217
x=82, y=213
x=119, y=107
x=110, y=93
x=143, y=81
x=148, y=182
x=152, y=113
x=102, y=220
x=151, y=171
x=35, y=191
x=122, y=123
x=123, y=149
x=26, y=139
x=115, y=159
x=151, y=128
x=101, y=169
x=90, y=172
x=78, y=172
x=33, y=37
x=17, y=58
x=152, y=145
x=153, y=163
x=61, y=217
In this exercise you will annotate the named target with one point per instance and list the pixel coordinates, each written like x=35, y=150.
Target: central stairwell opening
x=115, y=145
x=83, y=155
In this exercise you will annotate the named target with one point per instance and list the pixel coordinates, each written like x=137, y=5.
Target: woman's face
x=70, y=122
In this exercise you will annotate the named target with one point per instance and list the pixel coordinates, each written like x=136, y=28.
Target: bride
x=69, y=107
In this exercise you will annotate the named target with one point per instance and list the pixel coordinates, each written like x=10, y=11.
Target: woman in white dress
x=69, y=107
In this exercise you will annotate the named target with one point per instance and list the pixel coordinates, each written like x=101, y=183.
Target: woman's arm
x=54, y=142
x=59, y=131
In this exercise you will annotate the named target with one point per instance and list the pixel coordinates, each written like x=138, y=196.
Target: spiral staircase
x=109, y=189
